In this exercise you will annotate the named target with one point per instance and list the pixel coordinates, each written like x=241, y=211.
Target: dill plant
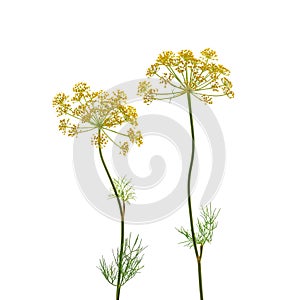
x=200, y=78
x=102, y=113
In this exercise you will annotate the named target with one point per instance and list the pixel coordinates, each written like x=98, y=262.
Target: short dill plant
x=102, y=112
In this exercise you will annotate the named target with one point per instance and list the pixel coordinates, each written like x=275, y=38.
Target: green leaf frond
x=188, y=237
x=206, y=225
x=125, y=189
x=131, y=262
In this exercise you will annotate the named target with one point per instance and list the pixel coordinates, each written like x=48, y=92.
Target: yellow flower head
x=100, y=111
x=201, y=76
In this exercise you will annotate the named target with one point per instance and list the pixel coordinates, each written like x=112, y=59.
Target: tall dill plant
x=200, y=78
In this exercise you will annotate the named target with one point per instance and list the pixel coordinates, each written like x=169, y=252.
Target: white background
x=51, y=238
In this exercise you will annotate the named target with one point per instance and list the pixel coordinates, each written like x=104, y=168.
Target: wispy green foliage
x=125, y=189
x=205, y=227
x=131, y=262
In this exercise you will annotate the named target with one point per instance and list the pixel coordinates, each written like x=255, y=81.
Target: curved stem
x=190, y=174
x=122, y=213
x=198, y=257
x=110, y=178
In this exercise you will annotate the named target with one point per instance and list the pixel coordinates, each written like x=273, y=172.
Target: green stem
x=110, y=138
x=122, y=213
x=200, y=273
x=198, y=257
x=115, y=131
x=121, y=257
x=175, y=75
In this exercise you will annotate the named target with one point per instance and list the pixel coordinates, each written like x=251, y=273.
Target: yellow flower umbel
x=86, y=111
x=200, y=76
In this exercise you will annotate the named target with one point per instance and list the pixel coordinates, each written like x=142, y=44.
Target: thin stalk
x=175, y=75
x=122, y=213
x=200, y=273
x=121, y=257
x=115, y=131
x=170, y=83
x=198, y=257
x=110, y=139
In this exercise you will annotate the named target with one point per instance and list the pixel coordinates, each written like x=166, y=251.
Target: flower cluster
x=201, y=76
x=98, y=110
